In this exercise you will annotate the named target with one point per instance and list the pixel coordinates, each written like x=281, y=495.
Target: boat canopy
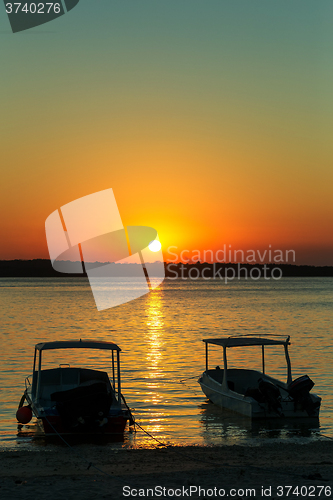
x=77, y=344
x=246, y=341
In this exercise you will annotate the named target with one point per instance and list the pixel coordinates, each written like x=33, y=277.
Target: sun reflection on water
x=154, y=345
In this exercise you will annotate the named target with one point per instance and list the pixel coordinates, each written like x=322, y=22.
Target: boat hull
x=53, y=424
x=249, y=407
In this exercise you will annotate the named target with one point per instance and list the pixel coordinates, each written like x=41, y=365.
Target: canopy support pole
x=289, y=379
x=225, y=368
x=206, y=356
x=118, y=370
x=39, y=375
x=113, y=375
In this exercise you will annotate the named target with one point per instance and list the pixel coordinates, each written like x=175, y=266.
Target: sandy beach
x=235, y=471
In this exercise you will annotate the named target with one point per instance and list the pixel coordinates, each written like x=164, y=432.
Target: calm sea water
x=162, y=354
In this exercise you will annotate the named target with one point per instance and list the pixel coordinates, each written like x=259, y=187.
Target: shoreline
x=102, y=472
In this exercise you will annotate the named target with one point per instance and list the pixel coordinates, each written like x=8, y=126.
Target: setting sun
x=155, y=246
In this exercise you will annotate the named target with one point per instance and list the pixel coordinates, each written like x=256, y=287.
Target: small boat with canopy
x=72, y=400
x=253, y=393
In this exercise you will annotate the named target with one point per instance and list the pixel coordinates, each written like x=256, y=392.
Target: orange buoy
x=24, y=414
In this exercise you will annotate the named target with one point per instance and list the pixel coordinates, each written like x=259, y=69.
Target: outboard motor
x=299, y=390
x=271, y=395
x=86, y=406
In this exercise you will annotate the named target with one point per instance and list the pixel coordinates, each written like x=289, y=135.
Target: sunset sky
x=211, y=120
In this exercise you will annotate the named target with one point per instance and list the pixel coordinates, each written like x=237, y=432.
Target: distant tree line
x=251, y=271
x=42, y=268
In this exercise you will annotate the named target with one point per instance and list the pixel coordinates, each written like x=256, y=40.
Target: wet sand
x=58, y=473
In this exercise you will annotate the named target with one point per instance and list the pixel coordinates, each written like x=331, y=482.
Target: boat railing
x=27, y=382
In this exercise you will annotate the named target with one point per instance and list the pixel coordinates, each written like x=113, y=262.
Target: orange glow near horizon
x=189, y=211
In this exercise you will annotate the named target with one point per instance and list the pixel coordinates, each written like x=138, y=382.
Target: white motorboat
x=254, y=393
